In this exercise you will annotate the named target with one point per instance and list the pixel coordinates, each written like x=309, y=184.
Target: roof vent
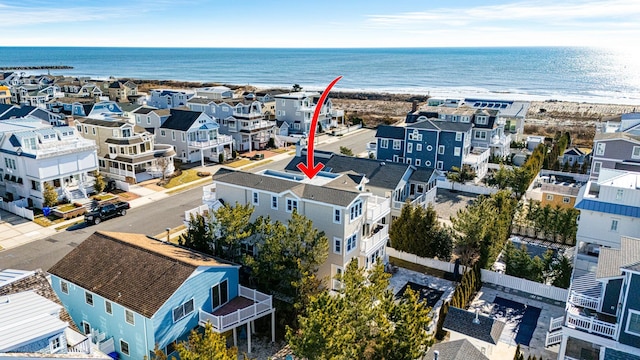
x=476, y=320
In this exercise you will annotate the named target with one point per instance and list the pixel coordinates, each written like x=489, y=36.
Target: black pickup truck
x=106, y=211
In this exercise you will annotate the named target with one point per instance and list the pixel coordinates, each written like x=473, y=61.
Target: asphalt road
x=150, y=219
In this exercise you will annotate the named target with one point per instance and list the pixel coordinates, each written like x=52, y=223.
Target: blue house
x=137, y=291
x=432, y=144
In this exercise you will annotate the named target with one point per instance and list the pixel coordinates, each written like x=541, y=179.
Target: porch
x=248, y=306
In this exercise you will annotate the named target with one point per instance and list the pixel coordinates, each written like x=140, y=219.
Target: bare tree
x=163, y=163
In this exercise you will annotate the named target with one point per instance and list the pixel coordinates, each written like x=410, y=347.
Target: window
x=173, y=135
x=456, y=151
x=79, y=127
x=418, y=162
x=88, y=298
x=600, y=148
x=356, y=210
x=86, y=129
x=549, y=197
x=565, y=199
x=107, y=307
x=64, y=287
x=183, y=310
x=482, y=135
x=458, y=136
x=636, y=152
x=427, y=163
x=86, y=327
x=128, y=317
x=396, y=144
x=114, y=132
x=439, y=165
x=418, y=147
x=596, y=167
x=440, y=149
x=292, y=205
x=10, y=163
x=274, y=202
x=409, y=148
x=633, y=323
x=183, y=138
x=124, y=347
x=337, y=245
x=220, y=294
x=429, y=147
x=352, y=241
x=614, y=225
x=384, y=143
x=54, y=344
x=163, y=133
x=254, y=198
x=337, y=216
x=619, y=194
x=481, y=120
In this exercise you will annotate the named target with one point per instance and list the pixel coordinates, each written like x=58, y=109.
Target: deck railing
x=553, y=338
x=375, y=240
x=262, y=305
x=591, y=325
x=582, y=300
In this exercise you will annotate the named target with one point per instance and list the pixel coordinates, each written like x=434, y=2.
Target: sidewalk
x=16, y=231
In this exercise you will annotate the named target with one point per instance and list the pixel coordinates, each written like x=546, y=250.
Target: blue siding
x=197, y=287
x=449, y=160
x=631, y=302
x=429, y=140
x=388, y=153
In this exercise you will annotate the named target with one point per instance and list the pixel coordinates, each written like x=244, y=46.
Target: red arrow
x=310, y=169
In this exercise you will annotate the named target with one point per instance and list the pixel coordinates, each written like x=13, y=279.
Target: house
x=140, y=292
x=151, y=118
x=397, y=181
x=16, y=112
x=355, y=222
x=194, y=136
x=619, y=149
x=126, y=152
x=483, y=332
x=9, y=78
x=214, y=92
x=533, y=141
x=128, y=110
x=35, y=153
x=167, y=99
x=5, y=95
x=487, y=131
x=120, y=91
x=511, y=113
x=35, y=324
x=439, y=145
x=297, y=109
x=602, y=319
x=575, y=155
x=454, y=350
x=99, y=110
x=216, y=109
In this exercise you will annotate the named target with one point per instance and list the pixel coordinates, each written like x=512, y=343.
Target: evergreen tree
x=365, y=321
x=50, y=195
x=346, y=151
x=199, y=234
x=562, y=273
x=206, y=346
x=232, y=225
x=99, y=184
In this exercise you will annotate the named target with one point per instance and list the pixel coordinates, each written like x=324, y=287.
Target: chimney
x=436, y=353
x=414, y=106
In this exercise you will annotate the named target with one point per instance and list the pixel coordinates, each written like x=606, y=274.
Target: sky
x=320, y=24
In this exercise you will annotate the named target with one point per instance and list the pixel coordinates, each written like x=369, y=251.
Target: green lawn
x=238, y=163
x=66, y=207
x=186, y=177
x=103, y=197
x=47, y=220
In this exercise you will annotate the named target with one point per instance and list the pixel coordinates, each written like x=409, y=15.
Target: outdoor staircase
x=554, y=335
x=76, y=194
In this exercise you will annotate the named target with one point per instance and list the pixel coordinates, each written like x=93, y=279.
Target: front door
x=220, y=294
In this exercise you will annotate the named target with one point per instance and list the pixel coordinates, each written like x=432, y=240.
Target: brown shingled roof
x=132, y=270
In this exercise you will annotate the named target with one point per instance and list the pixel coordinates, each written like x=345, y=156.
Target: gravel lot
x=448, y=203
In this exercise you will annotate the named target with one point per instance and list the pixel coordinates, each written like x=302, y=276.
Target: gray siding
x=631, y=302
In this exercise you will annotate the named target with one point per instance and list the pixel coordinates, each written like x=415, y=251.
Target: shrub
x=203, y=173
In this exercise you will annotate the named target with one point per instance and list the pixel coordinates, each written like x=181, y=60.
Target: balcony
x=59, y=148
x=585, y=320
x=378, y=238
x=209, y=193
x=261, y=125
x=249, y=305
x=419, y=201
x=377, y=208
x=221, y=140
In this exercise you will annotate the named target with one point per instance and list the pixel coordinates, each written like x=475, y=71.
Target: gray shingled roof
x=103, y=123
x=385, y=176
x=610, y=261
x=390, y=132
x=181, y=119
x=277, y=185
x=455, y=350
x=461, y=321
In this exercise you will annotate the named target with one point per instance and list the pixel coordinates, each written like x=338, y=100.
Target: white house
x=167, y=99
x=34, y=153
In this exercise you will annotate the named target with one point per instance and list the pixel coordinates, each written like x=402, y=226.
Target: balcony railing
x=377, y=207
x=221, y=140
x=209, y=193
x=418, y=201
x=590, y=324
x=584, y=301
x=553, y=338
x=378, y=239
x=262, y=305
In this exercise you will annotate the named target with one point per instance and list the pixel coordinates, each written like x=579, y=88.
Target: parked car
x=105, y=212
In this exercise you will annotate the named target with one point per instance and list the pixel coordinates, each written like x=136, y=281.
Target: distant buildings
x=617, y=146
x=167, y=99
x=297, y=108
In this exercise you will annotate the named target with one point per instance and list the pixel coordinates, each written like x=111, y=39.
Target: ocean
x=527, y=73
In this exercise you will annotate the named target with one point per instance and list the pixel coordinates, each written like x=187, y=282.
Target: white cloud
x=13, y=16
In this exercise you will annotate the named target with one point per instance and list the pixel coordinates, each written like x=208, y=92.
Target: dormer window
x=29, y=143
x=126, y=132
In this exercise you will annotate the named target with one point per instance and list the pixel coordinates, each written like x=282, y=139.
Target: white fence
x=470, y=188
x=512, y=282
x=122, y=185
x=430, y=263
x=531, y=287
x=17, y=207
